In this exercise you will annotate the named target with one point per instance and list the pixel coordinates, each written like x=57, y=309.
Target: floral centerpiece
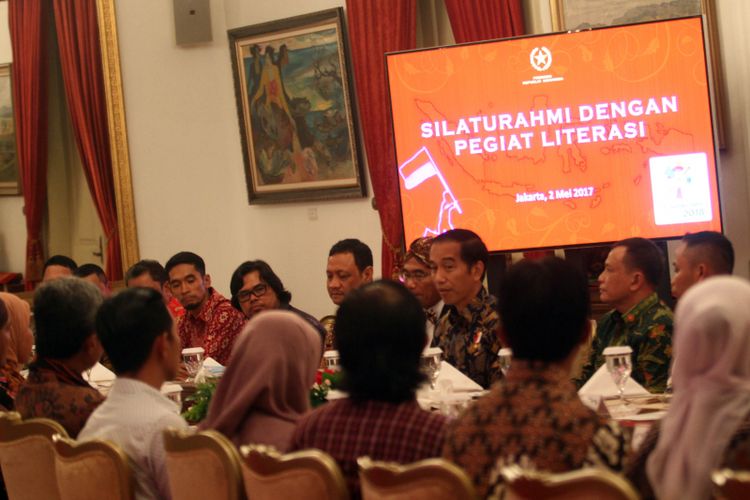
x=200, y=399
x=325, y=380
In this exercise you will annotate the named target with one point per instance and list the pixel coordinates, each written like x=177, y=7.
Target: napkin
x=99, y=373
x=601, y=385
x=461, y=383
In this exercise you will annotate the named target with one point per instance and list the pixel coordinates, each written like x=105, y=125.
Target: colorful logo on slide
x=421, y=172
x=680, y=188
x=540, y=58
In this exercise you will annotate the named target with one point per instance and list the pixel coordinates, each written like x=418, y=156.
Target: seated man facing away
x=210, y=321
x=534, y=416
x=380, y=336
x=58, y=266
x=467, y=333
x=699, y=256
x=141, y=340
x=639, y=319
x=148, y=273
x=416, y=275
x=255, y=288
x=66, y=345
x=94, y=274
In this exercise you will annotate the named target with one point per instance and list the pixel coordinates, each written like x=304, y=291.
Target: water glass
x=506, y=355
x=332, y=360
x=431, y=361
x=619, y=365
x=193, y=359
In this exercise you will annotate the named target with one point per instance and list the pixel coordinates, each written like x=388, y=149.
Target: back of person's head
x=473, y=249
x=186, y=258
x=89, y=269
x=711, y=248
x=128, y=324
x=361, y=252
x=61, y=260
x=64, y=315
x=544, y=308
x=147, y=266
x=266, y=274
x=645, y=256
x=380, y=334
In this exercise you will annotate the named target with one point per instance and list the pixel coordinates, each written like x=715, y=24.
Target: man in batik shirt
x=467, y=334
x=639, y=318
x=210, y=321
x=534, y=416
x=416, y=276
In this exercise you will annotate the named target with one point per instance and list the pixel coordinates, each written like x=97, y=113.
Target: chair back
x=27, y=456
x=434, y=479
x=202, y=465
x=309, y=474
x=731, y=484
x=582, y=484
x=92, y=470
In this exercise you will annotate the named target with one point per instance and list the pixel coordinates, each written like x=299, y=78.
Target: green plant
x=200, y=399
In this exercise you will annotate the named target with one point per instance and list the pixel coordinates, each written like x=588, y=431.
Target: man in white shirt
x=416, y=275
x=141, y=340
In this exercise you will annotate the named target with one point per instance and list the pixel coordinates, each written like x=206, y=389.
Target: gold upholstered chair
x=27, y=456
x=309, y=474
x=92, y=470
x=434, y=479
x=731, y=485
x=582, y=484
x=202, y=465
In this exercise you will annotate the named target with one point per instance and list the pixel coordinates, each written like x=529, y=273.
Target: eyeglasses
x=417, y=275
x=258, y=290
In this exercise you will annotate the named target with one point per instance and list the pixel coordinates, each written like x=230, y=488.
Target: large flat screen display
x=558, y=140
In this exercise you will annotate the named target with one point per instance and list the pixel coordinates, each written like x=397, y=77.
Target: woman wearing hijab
x=708, y=422
x=266, y=386
x=20, y=342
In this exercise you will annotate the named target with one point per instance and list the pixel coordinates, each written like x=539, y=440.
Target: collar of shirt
x=127, y=387
x=474, y=307
x=206, y=312
x=634, y=313
x=523, y=370
x=434, y=313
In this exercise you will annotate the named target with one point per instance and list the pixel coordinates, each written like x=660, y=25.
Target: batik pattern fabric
x=533, y=418
x=54, y=391
x=469, y=339
x=215, y=328
x=647, y=329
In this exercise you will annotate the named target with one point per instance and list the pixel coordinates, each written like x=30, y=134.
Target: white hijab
x=711, y=378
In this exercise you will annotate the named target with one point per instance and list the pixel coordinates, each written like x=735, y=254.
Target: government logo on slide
x=540, y=58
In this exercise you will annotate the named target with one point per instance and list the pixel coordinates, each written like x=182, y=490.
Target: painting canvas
x=584, y=14
x=295, y=109
x=9, y=182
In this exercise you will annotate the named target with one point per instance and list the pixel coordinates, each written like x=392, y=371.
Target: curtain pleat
x=475, y=20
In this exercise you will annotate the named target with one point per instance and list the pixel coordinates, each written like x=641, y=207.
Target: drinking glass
x=193, y=359
x=620, y=365
x=431, y=362
x=506, y=355
x=332, y=360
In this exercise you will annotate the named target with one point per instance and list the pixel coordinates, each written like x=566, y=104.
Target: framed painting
x=585, y=14
x=296, y=113
x=10, y=184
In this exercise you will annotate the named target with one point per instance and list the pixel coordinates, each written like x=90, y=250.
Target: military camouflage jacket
x=469, y=339
x=647, y=329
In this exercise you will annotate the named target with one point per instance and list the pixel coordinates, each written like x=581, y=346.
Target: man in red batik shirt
x=210, y=320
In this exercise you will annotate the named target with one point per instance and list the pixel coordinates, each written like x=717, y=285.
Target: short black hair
x=473, y=249
x=644, y=255
x=64, y=316
x=361, y=252
x=152, y=267
x=89, y=269
x=266, y=274
x=128, y=324
x=186, y=258
x=714, y=248
x=544, y=308
x=380, y=334
x=60, y=260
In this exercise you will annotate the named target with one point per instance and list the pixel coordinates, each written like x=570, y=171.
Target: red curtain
x=80, y=58
x=377, y=27
x=28, y=22
x=474, y=20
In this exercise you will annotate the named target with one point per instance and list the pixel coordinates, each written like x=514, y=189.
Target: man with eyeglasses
x=416, y=276
x=255, y=288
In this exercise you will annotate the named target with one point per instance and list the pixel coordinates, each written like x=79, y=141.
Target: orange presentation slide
x=557, y=140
